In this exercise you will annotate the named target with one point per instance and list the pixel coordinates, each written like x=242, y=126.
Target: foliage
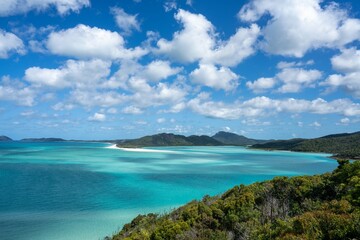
x=307, y=207
x=235, y=140
x=342, y=145
x=169, y=139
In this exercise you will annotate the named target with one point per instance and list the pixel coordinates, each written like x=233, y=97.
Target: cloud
x=90, y=84
x=192, y=42
x=10, y=43
x=97, y=117
x=27, y=113
x=178, y=107
x=344, y=121
x=226, y=129
x=302, y=25
x=13, y=7
x=155, y=71
x=217, y=78
x=160, y=94
x=315, y=124
x=347, y=63
x=132, y=110
x=158, y=70
x=12, y=90
x=293, y=80
x=236, y=49
x=264, y=106
x=91, y=98
x=170, y=5
x=284, y=64
x=91, y=42
x=141, y=82
x=79, y=74
x=255, y=122
x=197, y=41
x=112, y=110
x=261, y=84
x=125, y=21
x=63, y=106
x=161, y=120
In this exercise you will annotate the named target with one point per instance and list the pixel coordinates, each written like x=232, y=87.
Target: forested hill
x=229, y=138
x=345, y=145
x=42, y=140
x=169, y=139
x=308, y=207
x=5, y=139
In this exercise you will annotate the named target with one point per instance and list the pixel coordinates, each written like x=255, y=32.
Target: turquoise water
x=72, y=190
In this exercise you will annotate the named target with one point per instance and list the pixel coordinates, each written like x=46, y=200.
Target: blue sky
x=86, y=69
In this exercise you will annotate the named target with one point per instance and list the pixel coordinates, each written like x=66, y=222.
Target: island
x=42, y=140
x=343, y=146
x=5, y=139
x=169, y=139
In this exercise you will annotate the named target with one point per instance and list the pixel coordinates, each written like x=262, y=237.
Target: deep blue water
x=72, y=190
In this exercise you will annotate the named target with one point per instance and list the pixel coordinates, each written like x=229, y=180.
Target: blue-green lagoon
x=73, y=190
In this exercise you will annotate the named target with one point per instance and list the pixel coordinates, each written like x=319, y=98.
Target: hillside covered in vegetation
x=169, y=139
x=229, y=138
x=345, y=145
x=307, y=207
x=5, y=139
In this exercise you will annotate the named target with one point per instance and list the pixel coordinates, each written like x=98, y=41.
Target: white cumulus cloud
x=295, y=79
x=13, y=7
x=292, y=80
x=261, y=85
x=197, y=41
x=91, y=42
x=97, y=117
x=348, y=64
x=125, y=21
x=10, y=43
x=263, y=106
x=132, y=110
x=217, y=78
x=192, y=42
x=295, y=27
x=12, y=90
x=158, y=70
x=80, y=74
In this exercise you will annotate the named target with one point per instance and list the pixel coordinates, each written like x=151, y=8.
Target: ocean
x=78, y=190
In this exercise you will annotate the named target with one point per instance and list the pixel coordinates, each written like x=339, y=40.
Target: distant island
x=5, y=139
x=42, y=140
x=325, y=206
x=343, y=146
x=228, y=138
x=169, y=139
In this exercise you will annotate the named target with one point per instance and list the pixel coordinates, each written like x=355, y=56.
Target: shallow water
x=72, y=190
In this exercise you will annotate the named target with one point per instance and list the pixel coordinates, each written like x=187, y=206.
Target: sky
x=92, y=69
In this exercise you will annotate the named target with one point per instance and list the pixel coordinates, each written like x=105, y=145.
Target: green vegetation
x=308, y=207
x=169, y=139
x=228, y=138
x=345, y=145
